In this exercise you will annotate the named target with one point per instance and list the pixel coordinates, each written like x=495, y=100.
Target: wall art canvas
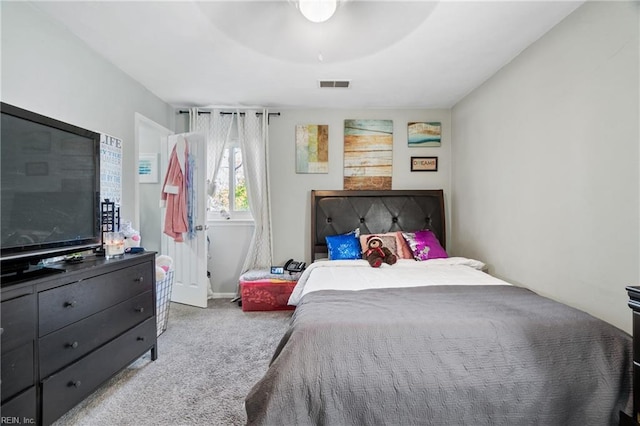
x=424, y=133
x=368, y=154
x=148, y=168
x=312, y=148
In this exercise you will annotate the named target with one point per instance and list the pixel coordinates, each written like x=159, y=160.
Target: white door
x=190, y=282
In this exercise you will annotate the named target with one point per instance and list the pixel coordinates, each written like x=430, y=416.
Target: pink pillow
x=389, y=240
x=424, y=245
x=404, y=251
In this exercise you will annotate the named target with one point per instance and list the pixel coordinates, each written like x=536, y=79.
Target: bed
x=434, y=342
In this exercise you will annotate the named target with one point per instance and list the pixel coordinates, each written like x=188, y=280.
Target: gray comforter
x=444, y=355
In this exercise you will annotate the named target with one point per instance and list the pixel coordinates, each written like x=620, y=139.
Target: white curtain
x=216, y=129
x=253, y=138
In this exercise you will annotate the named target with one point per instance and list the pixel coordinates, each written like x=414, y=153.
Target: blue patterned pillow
x=344, y=246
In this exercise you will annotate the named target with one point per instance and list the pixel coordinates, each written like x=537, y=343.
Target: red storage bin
x=266, y=294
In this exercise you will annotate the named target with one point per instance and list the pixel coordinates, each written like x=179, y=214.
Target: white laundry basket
x=164, y=285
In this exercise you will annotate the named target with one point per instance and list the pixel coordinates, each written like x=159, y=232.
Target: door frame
x=139, y=121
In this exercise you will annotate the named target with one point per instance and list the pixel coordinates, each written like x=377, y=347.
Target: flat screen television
x=49, y=189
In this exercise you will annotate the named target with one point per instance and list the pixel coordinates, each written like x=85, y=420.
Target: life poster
x=110, y=169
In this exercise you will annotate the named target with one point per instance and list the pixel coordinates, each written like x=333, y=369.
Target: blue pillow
x=344, y=246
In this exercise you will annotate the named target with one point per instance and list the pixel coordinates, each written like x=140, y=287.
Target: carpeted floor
x=208, y=360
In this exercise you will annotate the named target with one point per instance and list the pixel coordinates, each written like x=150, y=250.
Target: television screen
x=49, y=186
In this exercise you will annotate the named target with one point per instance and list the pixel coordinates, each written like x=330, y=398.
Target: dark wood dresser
x=65, y=334
x=634, y=304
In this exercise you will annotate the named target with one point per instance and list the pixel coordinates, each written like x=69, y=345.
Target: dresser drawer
x=636, y=332
x=21, y=407
x=64, y=346
x=63, y=390
x=18, y=320
x=17, y=370
x=65, y=305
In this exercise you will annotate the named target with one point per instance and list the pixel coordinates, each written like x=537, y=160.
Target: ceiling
x=396, y=54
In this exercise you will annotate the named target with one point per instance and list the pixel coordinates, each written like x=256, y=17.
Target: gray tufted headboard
x=339, y=212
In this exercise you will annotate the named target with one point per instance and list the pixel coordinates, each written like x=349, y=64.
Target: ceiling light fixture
x=317, y=10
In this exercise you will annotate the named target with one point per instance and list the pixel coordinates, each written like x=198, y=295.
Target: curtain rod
x=228, y=113
x=277, y=114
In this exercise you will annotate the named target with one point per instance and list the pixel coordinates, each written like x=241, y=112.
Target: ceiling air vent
x=343, y=84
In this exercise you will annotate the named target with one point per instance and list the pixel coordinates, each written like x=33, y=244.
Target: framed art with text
x=424, y=164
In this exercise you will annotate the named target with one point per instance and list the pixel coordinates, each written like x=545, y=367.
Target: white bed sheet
x=354, y=275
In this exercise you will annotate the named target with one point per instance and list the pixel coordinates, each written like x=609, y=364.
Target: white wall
x=290, y=192
x=46, y=69
x=228, y=245
x=545, y=176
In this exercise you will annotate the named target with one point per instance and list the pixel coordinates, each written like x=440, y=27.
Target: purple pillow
x=424, y=245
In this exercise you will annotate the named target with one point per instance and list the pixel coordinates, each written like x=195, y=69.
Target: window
x=230, y=200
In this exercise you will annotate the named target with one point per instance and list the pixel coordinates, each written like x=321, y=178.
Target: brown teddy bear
x=376, y=253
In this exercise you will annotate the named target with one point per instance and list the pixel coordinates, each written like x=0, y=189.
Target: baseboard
x=223, y=295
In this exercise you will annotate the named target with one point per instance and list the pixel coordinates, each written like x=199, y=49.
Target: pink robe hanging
x=174, y=194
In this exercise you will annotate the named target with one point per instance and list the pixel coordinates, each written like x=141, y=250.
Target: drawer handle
x=140, y=279
x=71, y=304
x=72, y=345
x=141, y=338
x=75, y=384
x=140, y=309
